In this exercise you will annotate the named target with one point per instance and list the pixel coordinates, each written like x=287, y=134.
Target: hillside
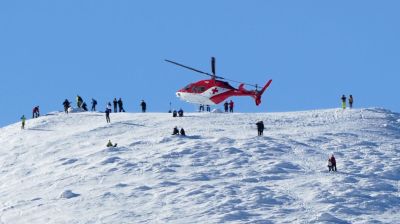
x=58, y=169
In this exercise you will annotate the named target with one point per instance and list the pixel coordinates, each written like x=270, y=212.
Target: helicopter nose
x=178, y=94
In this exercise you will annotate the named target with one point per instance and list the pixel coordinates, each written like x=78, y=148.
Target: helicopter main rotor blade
x=193, y=69
x=213, y=65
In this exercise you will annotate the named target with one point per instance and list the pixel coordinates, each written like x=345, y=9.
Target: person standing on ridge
x=143, y=105
x=180, y=112
x=23, y=119
x=94, y=103
x=79, y=101
x=329, y=164
x=351, y=101
x=115, y=102
x=208, y=108
x=108, y=110
x=260, y=128
x=35, y=112
x=66, y=104
x=84, y=106
x=201, y=108
x=343, y=101
x=120, y=105
x=226, y=104
x=231, y=106
x=333, y=161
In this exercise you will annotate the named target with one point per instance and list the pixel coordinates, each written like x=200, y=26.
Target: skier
x=174, y=113
x=175, y=131
x=79, y=101
x=351, y=101
x=94, y=103
x=333, y=161
x=143, y=105
x=66, y=104
x=208, y=108
x=108, y=110
x=226, y=104
x=120, y=105
x=84, y=106
x=231, y=106
x=115, y=102
x=183, y=133
x=343, y=101
x=35, y=112
x=23, y=122
x=260, y=128
x=180, y=112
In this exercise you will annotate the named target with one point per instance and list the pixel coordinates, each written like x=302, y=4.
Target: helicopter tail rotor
x=259, y=93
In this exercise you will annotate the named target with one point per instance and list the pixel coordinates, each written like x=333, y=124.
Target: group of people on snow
x=343, y=98
x=201, y=108
x=177, y=113
x=228, y=106
x=176, y=131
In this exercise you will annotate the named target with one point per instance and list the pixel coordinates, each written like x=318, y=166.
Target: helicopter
x=215, y=90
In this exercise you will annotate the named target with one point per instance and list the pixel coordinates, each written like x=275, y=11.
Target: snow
x=58, y=170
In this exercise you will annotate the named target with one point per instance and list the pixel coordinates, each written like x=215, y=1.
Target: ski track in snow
x=58, y=170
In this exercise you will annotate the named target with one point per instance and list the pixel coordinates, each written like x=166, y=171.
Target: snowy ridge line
x=59, y=170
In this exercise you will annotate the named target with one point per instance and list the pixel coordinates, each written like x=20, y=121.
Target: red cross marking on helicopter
x=215, y=90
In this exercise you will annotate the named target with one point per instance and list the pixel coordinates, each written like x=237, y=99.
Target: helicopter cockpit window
x=187, y=87
x=198, y=89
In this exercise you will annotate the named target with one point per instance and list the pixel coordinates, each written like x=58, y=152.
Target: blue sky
x=315, y=51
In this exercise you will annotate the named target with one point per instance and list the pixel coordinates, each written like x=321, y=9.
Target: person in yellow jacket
x=23, y=119
x=79, y=101
x=109, y=144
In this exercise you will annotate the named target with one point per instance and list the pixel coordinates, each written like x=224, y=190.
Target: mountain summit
x=59, y=170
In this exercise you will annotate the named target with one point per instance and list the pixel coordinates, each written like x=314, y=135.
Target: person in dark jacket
x=84, y=106
x=343, y=101
x=183, y=133
x=174, y=113
x=143, y=105
x=201, y=108
x=180, y=112
x=94, y=103
x=226, y=105
x=35, y=112
x=66, y=104
x=351, y=101
x=115, y=103
x=260, y=128
x=175, y=131
x=120, y=105
x=333, y=161
x=329, y=164
x=108, y=111
x=208, y=108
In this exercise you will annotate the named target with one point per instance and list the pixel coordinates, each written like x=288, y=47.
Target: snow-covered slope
x=58, y=170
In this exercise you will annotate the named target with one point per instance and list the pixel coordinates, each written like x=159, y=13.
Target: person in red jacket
x=333, y=161
x=231, y=106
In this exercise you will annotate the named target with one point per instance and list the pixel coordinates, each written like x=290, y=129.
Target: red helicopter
x=214, y=91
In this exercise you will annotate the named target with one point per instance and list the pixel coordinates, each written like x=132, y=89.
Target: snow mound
x=222, y=172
